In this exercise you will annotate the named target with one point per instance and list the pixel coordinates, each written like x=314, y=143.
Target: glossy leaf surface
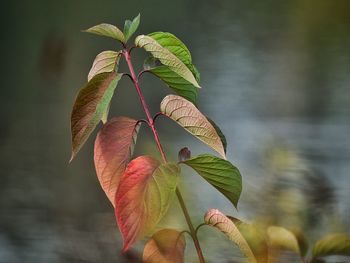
x=219, y=173
x=107, y=30
x=166, y=58
x=218, y=220
x=192, y=120
x=165, y=246
x=106, y=61
x=114, y=146
x=336, y=244
x=143, y=197
x=90, y=105
x=177, y=83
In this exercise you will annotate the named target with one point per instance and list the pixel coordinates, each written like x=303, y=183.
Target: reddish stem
x=134, y=79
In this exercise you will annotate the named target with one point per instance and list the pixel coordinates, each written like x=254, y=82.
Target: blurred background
x=275, y=78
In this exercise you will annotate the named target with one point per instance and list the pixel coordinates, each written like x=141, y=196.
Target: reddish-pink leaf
x=167, y=245
x=113, y=149
x=143, y=197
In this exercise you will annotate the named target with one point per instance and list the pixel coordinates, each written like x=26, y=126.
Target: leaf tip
x=125, y=248
x=71, y=157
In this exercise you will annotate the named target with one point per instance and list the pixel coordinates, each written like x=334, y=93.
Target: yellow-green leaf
x=165, y=246
x=335, y=244
x=166, y=58
x=90, y=106
x=106, y=61
x=107, y=30
x=255, y=238
x=218, y=220
x=192, y=120
x=281, y=238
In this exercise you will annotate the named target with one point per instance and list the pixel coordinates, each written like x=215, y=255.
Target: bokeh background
x=275, y=78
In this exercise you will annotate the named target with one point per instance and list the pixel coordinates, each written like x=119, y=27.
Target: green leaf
x=335, y=244
x=178, y=48
x=131, y=26
x=219, y=173
x=106, y=61
x=145, y=192
x=166, y=57
x=219, y=132
x=174, y=45
x=181, y=86
x=282, y=238
x=90, y=106
x=219, y=221
x=196, y=73
x=107, y=30
x=167, y=245
x=192, y=120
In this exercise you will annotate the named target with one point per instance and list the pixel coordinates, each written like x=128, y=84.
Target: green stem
x=134, y=79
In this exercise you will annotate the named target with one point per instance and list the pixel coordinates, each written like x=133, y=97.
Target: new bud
x=184, y=154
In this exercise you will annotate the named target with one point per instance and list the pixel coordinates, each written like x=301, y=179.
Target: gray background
x=275, y=78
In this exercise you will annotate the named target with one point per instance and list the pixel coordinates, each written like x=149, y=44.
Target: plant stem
x=190, y=225
x=134, y=78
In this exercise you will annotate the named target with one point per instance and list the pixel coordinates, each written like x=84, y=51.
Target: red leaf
x=113, y=148
x=143, y=197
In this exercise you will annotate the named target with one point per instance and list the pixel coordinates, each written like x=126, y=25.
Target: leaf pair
x=93, y=101
x=141, y=190
x=108, y=30
x=171, y=62
x=218, y=172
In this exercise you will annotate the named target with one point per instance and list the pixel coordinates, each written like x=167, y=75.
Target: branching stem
x=199, y=226
x=134, y=79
